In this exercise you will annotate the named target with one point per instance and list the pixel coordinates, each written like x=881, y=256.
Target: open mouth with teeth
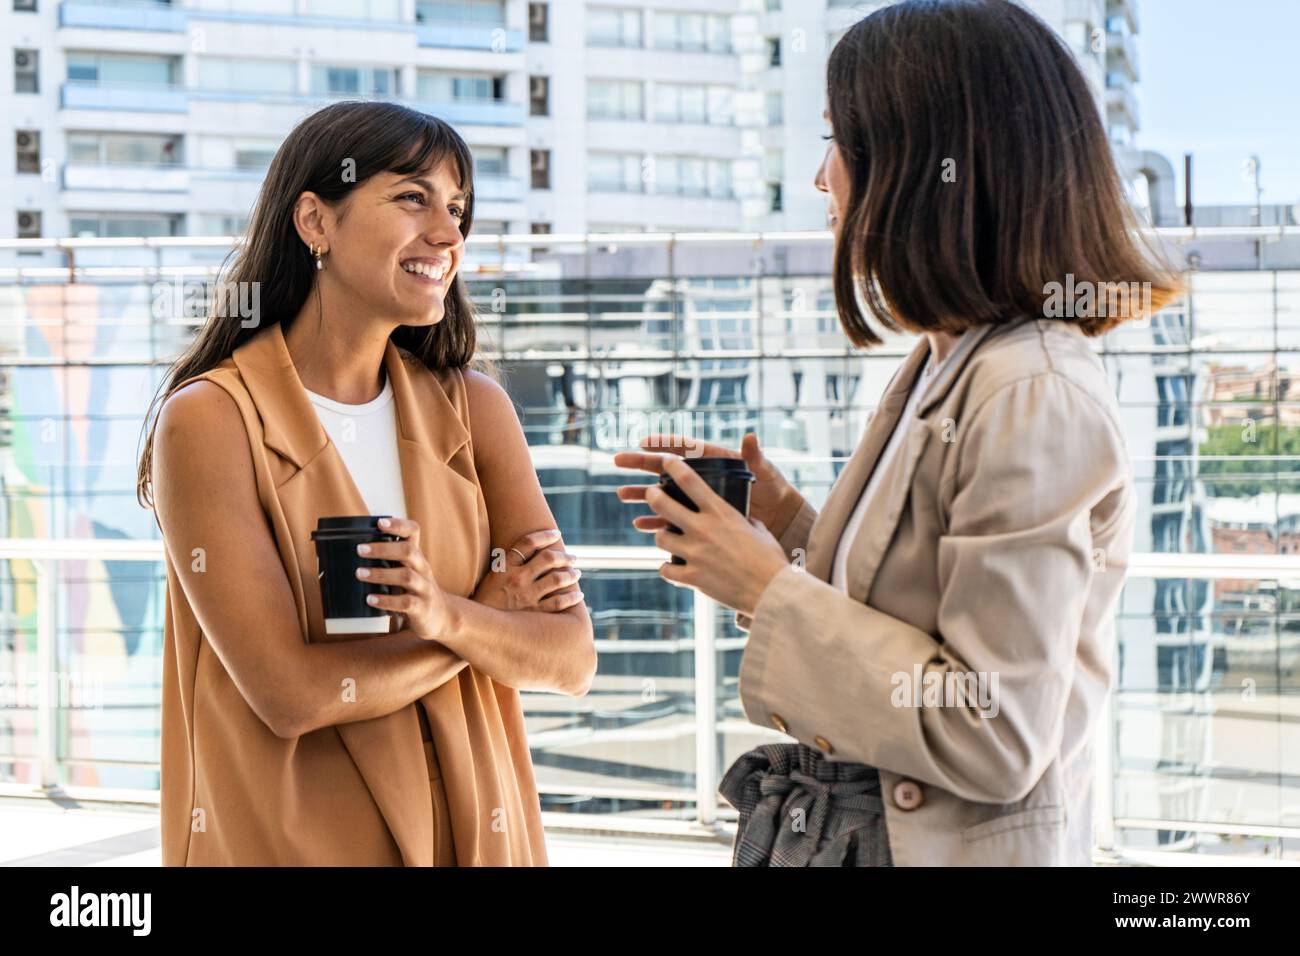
x=428, y=271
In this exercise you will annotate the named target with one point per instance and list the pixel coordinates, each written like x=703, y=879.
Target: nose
x=820, y=181
x=444, y=230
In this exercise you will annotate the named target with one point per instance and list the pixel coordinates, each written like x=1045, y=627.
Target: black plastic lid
x=717, y=464
x=342, y=525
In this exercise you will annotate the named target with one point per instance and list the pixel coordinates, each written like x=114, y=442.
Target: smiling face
x=393, y=246
x=833, y=179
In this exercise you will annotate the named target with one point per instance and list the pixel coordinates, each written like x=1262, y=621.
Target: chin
x=432, y=318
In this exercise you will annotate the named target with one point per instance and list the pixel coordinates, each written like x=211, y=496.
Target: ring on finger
x=522, y=559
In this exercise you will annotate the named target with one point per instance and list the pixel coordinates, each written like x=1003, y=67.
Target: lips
x=435, y=269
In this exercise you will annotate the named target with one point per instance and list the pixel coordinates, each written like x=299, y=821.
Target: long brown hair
x=366, y=138
x=980, y=174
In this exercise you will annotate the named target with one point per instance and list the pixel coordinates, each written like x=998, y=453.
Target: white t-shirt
x=366, y=437
x=839, y=566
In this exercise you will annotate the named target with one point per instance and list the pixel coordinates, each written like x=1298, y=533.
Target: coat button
x=825, y=745
x=908, y=795
x=779, y=724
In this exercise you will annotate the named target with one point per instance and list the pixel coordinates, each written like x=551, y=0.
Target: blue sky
x=1221, y=79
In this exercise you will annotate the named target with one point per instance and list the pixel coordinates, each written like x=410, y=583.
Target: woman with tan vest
x=938, y=638
x=350, y=391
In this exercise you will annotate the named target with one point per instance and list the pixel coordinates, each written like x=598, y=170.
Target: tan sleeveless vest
x=364, y=792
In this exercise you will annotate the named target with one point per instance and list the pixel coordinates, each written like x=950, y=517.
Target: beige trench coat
x=997, y=545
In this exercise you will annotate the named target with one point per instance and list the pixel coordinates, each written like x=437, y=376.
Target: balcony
x=499, y=189
x=122, y=176
x=1122, y=106
x=465, y=36
x=476, y=112
x=1121, y=50
x=123, y=15
x=1129, y=8
x=121, y=96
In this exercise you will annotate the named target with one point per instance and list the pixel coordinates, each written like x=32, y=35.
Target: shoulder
x=201, y=449
x=489, y=403
x=198, y=405
x=202, y=421
x=1043, y=364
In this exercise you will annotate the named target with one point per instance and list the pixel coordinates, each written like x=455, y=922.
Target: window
x=774, y=197
x=485, y=12
x=27, y=143
x=242, y=153
x=247, y=75
x=490, y=161
x=252, y=156
x=614, y=172
x=773, y=51
x=775, y=109
x=613, y=27
x=90, y=225
x=29, y=224
x=537, y=23
x=139, y=149
x=692, y=176
x=696, y=32
x=680, y=103
x=539, y=96
x=351, y=9
x=216, y=224
x=614, y=99
x=446, y=87
x=774, y=164
x=541, y=229
x=26, y=71
x=124, y=69
x=24, y=6
x=539, y=161
x=353, y=81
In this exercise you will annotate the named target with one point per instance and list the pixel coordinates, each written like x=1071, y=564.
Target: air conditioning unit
x=29, y=225
x=29, y=151
x=25, y=72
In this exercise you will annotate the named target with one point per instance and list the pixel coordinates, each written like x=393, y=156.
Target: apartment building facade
x=160, y=118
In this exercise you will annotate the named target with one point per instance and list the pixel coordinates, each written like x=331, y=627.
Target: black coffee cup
x=730, y=479
x=343, y=594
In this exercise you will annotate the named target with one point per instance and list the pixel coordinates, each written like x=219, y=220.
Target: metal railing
x=704, y=644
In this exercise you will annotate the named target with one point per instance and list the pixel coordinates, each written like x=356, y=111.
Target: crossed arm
x=242, y=600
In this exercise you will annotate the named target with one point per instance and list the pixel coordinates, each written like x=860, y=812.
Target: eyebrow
x=420, y=181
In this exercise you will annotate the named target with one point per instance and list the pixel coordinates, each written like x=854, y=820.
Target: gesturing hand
x=422, y=602
x=729, y=557
x=769, y=495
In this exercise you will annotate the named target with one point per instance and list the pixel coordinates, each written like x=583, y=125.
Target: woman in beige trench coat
x=937, y=639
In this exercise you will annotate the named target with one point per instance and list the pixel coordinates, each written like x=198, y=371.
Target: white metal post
x=706, y=708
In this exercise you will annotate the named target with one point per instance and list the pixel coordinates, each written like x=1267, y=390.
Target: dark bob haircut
x=980, y=175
